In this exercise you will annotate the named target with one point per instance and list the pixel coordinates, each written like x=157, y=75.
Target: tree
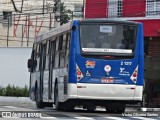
x=66, y=14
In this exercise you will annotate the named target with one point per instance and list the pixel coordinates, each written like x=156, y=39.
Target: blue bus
x=88, y=63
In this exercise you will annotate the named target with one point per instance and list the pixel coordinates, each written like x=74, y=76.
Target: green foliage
x=66, y=14
x=14, y=91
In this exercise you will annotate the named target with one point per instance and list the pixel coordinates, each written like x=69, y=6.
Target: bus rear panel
x=108, y=61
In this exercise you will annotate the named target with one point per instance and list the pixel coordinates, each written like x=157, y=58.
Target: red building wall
x=151, y=27
x=96, y=9
x=134, y=8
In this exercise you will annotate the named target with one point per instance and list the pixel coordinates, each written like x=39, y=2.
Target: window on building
x=153, y=8
x=114, y=8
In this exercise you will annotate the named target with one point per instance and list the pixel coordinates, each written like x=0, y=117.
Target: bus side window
x=33, y=56
x=37, y=50
x=47, y=56
x=62, y=50
x=56, y=61
x=68, y=40
x=37, y=56
x=43, y=57
x=52, y=51
x=68, y=37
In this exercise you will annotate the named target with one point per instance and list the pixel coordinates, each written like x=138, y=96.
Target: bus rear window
x=108, y=38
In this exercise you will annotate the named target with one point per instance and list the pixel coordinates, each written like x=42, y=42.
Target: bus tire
x=38, y=104
x=58, y=105
x=121, y=108
x=69, y=106
x=116, y=108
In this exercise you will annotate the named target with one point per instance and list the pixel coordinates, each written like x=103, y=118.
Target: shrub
x=14, y=91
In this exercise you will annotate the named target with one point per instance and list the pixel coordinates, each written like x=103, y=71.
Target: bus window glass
x=56, y=63
x=108, y=38
x=47, y=56
x=68, y=40
x=64, y=42
x=60, y=42
x=37, y=50
x=52, y=52
x=63, y=50
x=67, y=49
x=57, y=43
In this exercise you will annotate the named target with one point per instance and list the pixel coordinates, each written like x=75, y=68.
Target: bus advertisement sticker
x=90, y=64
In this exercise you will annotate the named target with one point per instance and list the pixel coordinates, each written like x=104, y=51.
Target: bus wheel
x=38, y=104
x=116, y=108
x=69, y=106
x=121, y=108
x=58, y=105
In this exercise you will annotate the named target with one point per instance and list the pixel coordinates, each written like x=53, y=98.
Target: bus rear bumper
x=105, y=92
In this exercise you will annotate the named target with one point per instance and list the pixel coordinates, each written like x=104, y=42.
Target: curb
x=18, y=101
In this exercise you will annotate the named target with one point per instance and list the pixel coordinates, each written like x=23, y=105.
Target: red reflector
x=79, y=86
x=132, y=88
x=134, y=75
x=78, y=73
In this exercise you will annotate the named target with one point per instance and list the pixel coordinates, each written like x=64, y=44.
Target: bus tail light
x=79, y=73
x=134, y=75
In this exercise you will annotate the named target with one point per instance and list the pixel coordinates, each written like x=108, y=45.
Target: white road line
x=116, y=118
x=49, y=118
x=84, y=118
x=12, y=107
x=145, y=118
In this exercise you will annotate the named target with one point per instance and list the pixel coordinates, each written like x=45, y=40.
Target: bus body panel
x=59, y=76
x=45, y=86
x=141, y=55
x=32, y=85
x=108, y=91
x=105, y=92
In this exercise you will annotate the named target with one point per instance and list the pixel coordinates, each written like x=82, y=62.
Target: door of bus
x=51, y=64
x=42, y=65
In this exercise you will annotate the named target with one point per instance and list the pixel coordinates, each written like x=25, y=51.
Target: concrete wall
x=13, y=66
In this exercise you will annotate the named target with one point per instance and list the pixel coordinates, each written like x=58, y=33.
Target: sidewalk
x=16, y=101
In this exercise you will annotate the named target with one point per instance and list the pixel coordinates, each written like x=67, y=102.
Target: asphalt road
x=50, y=113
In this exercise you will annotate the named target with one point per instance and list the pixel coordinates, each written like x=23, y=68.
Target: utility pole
x=57, y=15
x=22, y=5
x=43, y=5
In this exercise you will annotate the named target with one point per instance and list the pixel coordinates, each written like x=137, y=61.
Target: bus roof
x=67, y=27
x=110, y=20
x=53, y=32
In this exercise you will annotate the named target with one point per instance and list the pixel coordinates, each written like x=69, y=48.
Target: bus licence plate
x=107, y=80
